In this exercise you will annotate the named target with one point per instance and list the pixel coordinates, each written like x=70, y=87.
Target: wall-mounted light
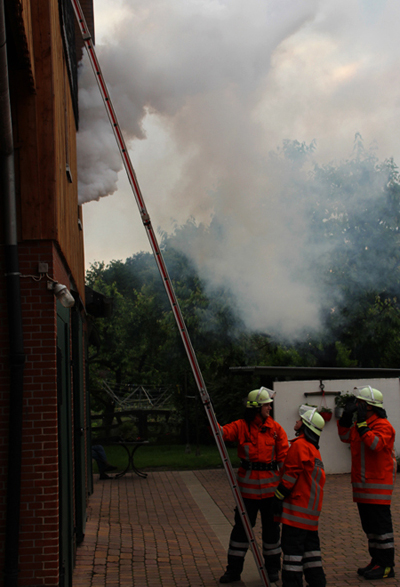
x=61, y=291
x=62, y=294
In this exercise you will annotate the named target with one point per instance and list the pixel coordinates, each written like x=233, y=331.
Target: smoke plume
x=204, y=90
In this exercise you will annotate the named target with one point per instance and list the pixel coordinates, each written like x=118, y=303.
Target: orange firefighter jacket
x=304, y=476
x=259, y=443
x=373, y=465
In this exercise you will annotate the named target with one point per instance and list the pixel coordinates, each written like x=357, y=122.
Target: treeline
x=353, y=215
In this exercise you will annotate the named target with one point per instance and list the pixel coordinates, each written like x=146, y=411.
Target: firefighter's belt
x=258, y=465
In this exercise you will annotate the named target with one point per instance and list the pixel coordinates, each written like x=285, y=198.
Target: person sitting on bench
x=99, y=455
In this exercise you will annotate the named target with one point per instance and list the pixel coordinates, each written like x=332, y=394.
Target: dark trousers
x=301, y=554
x=376, y=521
x=99, y=455
x=238, y=544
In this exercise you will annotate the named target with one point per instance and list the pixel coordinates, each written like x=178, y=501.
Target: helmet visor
x=357, y=390
x=304, y=408
x=370, y=395
x=265, y=395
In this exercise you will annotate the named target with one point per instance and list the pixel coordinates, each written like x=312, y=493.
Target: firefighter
x=373, y=471
x=262, y=447
x=298, y=503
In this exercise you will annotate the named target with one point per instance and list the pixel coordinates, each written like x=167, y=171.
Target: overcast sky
x=204, y=90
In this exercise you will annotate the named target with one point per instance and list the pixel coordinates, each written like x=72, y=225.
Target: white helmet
x=372, y=396
x=259, y=397
x=312, y=419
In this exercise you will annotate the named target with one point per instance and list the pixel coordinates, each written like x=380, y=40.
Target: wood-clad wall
x=45, y=135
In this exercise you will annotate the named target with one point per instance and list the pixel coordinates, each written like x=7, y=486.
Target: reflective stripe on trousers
x=376, y=521
x=301, y=554
x=238, y=544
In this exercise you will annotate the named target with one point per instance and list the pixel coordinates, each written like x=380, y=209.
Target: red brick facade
x=39, y=523
x=56, y=465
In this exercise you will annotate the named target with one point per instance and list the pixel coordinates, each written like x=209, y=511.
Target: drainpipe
x=14, y=312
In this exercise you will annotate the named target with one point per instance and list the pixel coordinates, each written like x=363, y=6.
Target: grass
x=173, y=457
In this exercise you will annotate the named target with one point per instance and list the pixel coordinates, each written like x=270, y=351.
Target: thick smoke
x=198, y=66
x=204, y=90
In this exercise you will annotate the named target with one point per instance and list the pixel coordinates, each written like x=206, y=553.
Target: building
x=45, y=456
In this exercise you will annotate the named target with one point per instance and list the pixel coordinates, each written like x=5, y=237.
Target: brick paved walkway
x=172, y=530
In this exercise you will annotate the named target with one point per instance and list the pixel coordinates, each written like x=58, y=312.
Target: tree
x=352, y=214
x=355, y=222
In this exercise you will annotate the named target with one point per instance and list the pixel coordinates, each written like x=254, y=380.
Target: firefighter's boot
x=233, y=570
x=378, y=572
x=362, y=570
x=229, y=577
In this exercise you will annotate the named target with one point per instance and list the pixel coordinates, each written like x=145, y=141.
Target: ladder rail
x=86, y=36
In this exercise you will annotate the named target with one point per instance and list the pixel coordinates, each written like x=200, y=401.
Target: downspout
x=14, y=312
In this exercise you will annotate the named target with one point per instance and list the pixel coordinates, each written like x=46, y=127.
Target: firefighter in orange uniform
x=373, y=471
x=262, y=447
x=298, y=503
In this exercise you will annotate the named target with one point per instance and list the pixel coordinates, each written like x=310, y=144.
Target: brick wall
x=39, y=527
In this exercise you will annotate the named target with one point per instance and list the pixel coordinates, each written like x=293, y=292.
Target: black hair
x=381, y=412
x=311, y=436
x=250, y=414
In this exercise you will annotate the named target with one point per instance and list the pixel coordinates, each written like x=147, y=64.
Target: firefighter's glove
x=277, y=504
x=351, y=406
x=280, y=493
x=362, y=428
x=277, y=507
x=346, y=419
x=361, y=412
x=362, y=425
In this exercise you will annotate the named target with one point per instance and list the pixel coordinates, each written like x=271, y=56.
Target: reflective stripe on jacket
x=373, y=464
x=304, y=476
x=260, y=442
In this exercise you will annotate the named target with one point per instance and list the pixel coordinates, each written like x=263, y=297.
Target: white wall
x=335, y=454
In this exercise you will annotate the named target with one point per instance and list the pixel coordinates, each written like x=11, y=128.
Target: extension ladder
x=87, y=39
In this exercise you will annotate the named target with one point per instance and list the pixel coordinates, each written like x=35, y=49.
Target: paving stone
x=153, y=533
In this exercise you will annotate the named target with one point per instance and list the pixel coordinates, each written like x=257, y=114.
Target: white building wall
x=335, y=454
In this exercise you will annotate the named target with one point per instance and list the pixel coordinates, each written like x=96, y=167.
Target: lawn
x=173, y=457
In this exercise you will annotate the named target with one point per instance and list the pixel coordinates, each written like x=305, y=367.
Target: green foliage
x=343, y=356
x=171, y=457
x=353, y=211
x=373, y=332
x=354, y=248
x=342, y=399
x=359, y=222
x=140, y=343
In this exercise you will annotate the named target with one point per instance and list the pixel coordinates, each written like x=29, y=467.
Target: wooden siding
x=46, y=141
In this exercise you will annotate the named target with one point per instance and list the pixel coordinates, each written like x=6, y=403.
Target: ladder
x=205, y=398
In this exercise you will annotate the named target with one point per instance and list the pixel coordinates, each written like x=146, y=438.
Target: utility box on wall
x=290, y=395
